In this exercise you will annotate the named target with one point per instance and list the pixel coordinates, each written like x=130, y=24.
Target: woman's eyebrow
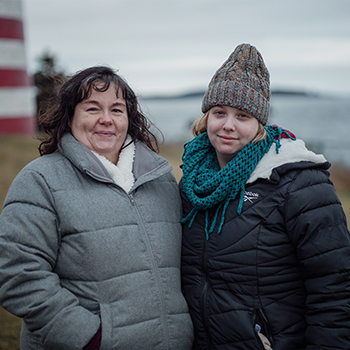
x=117, y=103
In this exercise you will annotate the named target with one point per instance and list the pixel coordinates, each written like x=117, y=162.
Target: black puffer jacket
x=284, y=263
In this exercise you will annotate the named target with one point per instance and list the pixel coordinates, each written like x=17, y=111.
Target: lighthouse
x=17, y=95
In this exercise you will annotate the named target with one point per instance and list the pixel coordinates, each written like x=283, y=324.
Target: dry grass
x=9, y=331
x=16, y=152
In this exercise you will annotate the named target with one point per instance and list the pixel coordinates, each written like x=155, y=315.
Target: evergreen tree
x=45, y=80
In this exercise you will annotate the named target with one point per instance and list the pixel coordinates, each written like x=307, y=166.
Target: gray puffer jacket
x=77, y=251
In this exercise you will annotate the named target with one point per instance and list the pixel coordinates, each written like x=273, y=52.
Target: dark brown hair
x=56, y=119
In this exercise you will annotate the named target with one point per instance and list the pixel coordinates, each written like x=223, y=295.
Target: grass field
x=16, y=152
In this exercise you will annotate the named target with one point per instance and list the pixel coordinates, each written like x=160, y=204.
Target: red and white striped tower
x=17, y=100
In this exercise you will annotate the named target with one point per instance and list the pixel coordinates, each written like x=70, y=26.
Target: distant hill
x=294, y=93
x=200, y=94
x=176, y=96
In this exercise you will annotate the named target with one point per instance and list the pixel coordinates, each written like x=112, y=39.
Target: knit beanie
x=243, y=82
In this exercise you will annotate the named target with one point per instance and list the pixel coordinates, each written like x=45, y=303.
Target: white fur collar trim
x=121, y=173
x=289, y=152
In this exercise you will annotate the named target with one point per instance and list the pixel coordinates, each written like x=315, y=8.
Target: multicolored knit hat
x=243, y=81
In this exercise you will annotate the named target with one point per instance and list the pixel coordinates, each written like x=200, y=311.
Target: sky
x=175, y=46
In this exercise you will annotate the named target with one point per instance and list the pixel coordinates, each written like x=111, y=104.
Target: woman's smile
x=227, y=139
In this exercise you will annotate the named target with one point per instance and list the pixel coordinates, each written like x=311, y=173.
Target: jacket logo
x=250, y=196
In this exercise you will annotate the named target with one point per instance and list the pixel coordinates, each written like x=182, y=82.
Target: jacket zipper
x=204, y=295
x=155, y=269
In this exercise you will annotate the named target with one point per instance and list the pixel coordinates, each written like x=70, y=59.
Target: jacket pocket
x=262, y=329
x=106, y=322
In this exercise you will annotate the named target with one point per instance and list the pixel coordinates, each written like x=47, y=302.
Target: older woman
x=266, y=249
x=90, y=237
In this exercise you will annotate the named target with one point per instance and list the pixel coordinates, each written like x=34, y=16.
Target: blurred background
x=168, y=50
x=167, y=46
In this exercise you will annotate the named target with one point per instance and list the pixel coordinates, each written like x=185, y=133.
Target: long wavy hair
x=56, y=119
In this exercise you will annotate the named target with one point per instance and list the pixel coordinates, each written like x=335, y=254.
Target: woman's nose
x=106, y=118
x=229, y=124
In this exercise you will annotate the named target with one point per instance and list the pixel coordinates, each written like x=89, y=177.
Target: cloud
x=169, y=45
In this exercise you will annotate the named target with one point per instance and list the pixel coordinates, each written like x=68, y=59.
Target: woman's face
x=230, y=130
x=100, y=122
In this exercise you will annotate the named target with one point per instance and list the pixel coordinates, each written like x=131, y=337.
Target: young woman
x=90, y=233
x=266, y=249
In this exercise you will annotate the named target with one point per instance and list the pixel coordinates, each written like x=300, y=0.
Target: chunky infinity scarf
x=207, y=186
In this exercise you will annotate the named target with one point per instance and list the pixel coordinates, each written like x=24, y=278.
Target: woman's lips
x=227, y=138
x=104, y=133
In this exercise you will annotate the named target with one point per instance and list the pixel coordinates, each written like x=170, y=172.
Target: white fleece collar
x=289, y=152
x=121, y=173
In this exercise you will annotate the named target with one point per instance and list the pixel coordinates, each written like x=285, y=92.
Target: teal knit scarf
x=207, y=186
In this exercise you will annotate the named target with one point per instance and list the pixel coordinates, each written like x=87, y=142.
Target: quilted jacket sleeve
x=318, y=230
x=29, y=244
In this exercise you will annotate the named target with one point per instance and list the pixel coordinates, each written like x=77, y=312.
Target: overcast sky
x=166, y=46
